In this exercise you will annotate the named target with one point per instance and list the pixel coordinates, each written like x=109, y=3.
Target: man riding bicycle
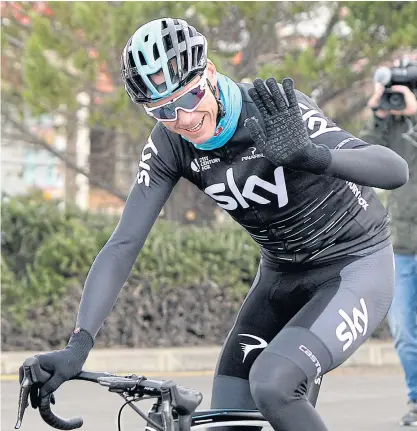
x=296, y=182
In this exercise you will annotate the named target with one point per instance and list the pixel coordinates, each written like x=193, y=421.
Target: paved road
x=351, y=400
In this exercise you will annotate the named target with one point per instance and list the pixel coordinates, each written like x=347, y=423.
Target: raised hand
x=285, y=140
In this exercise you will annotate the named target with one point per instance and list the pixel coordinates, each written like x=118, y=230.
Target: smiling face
x=197, y=126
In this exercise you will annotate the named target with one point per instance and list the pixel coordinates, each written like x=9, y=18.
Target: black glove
x=285, y=141
x=63, y=364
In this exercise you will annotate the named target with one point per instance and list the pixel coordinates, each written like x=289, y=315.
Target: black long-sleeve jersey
x=295, y=216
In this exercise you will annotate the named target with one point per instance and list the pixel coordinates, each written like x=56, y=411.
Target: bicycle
x=174, y=408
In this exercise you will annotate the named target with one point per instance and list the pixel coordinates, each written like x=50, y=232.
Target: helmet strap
x=221, y=112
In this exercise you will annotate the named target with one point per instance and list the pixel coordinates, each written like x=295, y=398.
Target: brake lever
x=23, y=401
x=33, y=376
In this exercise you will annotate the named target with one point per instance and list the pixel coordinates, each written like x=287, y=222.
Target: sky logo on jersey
x=279, y=189
x=315, y=122
x=254, y=154
x=348, y=329
x=355, y=190
x=203, y=163
x=144, y=168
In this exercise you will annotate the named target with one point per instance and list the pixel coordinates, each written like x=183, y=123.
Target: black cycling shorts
x=316, y=317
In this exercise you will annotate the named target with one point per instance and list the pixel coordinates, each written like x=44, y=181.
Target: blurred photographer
x=394, y=124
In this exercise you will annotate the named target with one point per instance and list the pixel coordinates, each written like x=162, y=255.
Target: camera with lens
x=404, y=74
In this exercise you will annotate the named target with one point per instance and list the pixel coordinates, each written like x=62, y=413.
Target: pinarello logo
x=218, y=131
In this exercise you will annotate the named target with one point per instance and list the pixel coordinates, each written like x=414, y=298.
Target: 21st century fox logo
x=203, y=163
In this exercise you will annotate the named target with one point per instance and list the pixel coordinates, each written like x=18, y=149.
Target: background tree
x=335, y=67
x=54, y=51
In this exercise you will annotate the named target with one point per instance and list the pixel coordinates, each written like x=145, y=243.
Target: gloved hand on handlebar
x=63, y=364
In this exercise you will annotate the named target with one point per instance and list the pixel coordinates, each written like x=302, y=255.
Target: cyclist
x=295, y=181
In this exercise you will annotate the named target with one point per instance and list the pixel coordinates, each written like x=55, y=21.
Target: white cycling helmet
x=166, y=45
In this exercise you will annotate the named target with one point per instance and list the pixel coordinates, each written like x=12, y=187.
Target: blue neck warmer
x=231, y=98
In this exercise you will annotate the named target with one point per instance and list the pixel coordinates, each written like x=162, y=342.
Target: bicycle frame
x=213, y=418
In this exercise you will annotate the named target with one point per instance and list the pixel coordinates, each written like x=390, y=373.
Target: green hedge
x=185, y=288
x=46, y=250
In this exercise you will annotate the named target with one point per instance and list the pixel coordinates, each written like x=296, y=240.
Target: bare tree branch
x=330, y=26
x=42, y=143
x=329, y=94
x=354, y=109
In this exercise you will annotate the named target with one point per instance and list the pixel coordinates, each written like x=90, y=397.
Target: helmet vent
x=162, y=86
x=199, y=53
x=173, y=71
x=164, y=24
x=146, y=37
x=181, y=36
x=155, y=52
x=131, y=61
x=167, y=43
x=184, y=59
x=142, y=59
